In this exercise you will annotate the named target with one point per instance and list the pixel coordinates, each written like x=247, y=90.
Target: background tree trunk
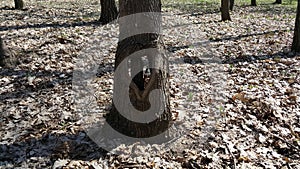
x=253, y=3
x=139, y=84
x=296, y=39
x=3, y=53
x=278, y=2
x=225, y=10
x=109, y=11
x=19, y=4
x=7, y=58
x=231, y=5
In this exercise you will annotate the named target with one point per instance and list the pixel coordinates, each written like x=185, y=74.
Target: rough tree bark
x=109, y=11
x=140, y=86
x=253, y=3
x=19, y=4
x=225, y=10
x=296, y=39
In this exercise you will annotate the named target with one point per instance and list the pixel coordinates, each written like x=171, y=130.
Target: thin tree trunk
x=109, y=11
x=296, y=39
x=7, y=58
x=3, y=53
x=231, y=5
x=253, y=3
x=19, y=4
x=140, y=87
x=278, y=2
x=225, y=10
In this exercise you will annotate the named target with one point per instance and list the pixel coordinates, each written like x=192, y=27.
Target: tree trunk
x=278, y=2
x=225, y=10
x=3, y=53
x=7, y=58
x=131, y=80
x=231, y=4
x=296, y=39
x=109, y=11
x=253, y=3
x=19, y=4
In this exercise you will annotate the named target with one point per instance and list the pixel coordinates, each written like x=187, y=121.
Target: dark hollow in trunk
x=296, y=39
x=225, y=10
x=109, y=11
x=140, y=86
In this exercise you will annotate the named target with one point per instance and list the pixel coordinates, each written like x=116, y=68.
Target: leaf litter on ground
x=259, y=121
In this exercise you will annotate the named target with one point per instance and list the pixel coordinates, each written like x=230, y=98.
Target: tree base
x=137, y=130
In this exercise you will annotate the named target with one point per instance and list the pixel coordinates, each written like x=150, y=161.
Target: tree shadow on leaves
x=254, y=58
x=53, y=25
x=52, y=146
x=195, y=9
x=64, y=19
x=269, y=9
x=45, y=139
x=243, y=58
x=24, y=85
x=173, y=49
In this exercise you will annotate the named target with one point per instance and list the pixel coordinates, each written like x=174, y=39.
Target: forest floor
x=239, y=74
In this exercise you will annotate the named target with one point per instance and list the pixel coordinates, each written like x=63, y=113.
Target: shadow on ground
x=51, y=146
